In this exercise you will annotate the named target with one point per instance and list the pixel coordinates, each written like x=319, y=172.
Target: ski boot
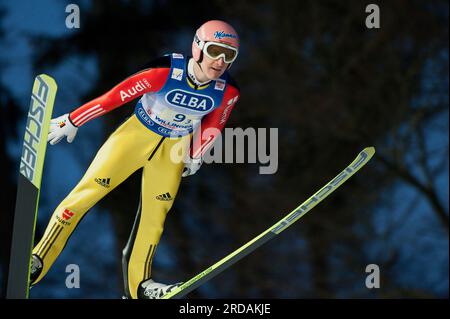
x=36, y=268
x=153, y=290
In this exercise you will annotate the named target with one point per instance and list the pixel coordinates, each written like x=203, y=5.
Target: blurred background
x=309, y=68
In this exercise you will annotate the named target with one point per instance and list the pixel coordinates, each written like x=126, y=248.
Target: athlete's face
x=213, y=69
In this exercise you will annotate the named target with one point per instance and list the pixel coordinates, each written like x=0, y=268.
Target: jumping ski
x=28, y=188
x=363, y=157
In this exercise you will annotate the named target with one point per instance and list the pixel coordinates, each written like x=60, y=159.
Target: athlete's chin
x=214, y=74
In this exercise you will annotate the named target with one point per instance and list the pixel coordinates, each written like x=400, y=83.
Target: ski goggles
x=216, y=50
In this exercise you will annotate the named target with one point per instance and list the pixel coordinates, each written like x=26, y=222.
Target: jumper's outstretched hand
x=61, y=127
x=192, y=166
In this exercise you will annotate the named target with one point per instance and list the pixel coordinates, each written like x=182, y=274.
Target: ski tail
x=362, y=159
x=28, y=188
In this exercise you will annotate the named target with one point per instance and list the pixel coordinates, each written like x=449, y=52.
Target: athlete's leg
x=161, y=178
x=125, y=151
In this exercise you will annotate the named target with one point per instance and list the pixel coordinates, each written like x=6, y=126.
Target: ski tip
x=47, y=78
x=369, y=150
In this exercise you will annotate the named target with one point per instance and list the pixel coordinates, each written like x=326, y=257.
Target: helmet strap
x=200, y=44
x=198, y=63
x=192, y=75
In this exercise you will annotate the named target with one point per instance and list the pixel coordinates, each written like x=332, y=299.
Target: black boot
x=36, y=268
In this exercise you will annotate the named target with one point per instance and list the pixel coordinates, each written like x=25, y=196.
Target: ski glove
x=61, y=127
x=192, y=166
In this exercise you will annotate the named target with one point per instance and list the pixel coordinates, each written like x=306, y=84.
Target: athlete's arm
x=211, y=126
x=150, y=79
x=213, y=123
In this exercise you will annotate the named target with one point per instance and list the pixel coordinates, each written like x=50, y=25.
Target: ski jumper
x=169, y=111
